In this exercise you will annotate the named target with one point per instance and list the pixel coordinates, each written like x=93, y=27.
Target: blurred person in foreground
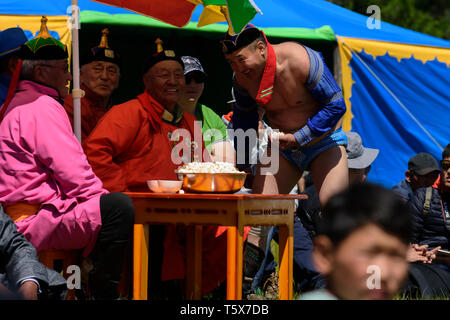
x=362, y=244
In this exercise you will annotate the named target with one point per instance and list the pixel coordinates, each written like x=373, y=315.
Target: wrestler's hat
x=358, y=156
x=159, y=56
x=232, y=43
x=11, y=40
x=43, y=46
x=102, y=52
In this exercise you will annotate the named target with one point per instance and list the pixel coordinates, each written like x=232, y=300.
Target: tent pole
x=76, y=92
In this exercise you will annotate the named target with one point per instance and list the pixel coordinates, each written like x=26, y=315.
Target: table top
x=214, y=196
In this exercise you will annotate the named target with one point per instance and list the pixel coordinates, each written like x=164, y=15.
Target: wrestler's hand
x=286, y=140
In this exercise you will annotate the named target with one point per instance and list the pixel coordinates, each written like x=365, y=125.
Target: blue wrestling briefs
x=302, y=158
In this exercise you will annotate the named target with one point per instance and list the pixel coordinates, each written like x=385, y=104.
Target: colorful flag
x=178, y=12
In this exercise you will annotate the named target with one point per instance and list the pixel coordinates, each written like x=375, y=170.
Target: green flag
x=241, y=13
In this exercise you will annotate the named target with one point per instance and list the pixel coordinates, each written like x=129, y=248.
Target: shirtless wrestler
x=293, y=86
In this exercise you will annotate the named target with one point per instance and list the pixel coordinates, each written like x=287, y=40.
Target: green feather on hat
x=43, y=46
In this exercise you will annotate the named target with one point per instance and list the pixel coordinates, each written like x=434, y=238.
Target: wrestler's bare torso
x=291, y=103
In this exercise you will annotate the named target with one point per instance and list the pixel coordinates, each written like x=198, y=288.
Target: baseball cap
x=358, y=156
x=192, y=64
x=422, y=164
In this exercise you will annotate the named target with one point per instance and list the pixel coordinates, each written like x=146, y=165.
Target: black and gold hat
x=102, y=52
x=43, y=46
x=159, y=56
x=231, y=43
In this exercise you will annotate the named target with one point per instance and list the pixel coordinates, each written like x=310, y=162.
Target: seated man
x=99, y=77
x=134, y=143
x=431, y=208
x=45, y=176
x=21, y=274
x=423, y=170
x=213, y=129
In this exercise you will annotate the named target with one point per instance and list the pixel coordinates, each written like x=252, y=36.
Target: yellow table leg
x=286, y=246
x=231, y=263
x=239, y=262
x=140, y=262
x=194, y=263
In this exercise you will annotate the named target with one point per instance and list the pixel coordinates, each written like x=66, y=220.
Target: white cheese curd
x=208, y=167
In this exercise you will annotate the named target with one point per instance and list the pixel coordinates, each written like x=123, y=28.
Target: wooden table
x=196, y=210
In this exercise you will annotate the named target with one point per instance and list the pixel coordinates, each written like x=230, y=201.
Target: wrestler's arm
x=322, y=86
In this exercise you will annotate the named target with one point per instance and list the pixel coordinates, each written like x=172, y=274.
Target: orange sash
x=21, y=210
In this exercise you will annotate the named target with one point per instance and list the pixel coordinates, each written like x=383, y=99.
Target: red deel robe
x=131, y=145
x=91, y=111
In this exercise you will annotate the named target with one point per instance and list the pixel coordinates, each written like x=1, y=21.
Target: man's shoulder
x=292, y=57
x=320, y=294
x=209, y=113
x=130, y=106
x=290, y=50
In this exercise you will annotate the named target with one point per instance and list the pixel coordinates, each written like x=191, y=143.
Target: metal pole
x=76, y=92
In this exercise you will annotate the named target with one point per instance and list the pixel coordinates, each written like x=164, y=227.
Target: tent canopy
x=395, y=81
x=276, y=14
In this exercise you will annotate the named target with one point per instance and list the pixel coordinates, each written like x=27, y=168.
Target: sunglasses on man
x=198, y=77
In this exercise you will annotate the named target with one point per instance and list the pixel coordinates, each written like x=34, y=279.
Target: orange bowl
x=164, y=186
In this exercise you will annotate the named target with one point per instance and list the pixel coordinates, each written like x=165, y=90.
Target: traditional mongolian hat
x=231, y=43
x=43, y=46
x=159, y=56
x=102, y=52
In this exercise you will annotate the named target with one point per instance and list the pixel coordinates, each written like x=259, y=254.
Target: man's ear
x=323, y=254
x=39, y=74
x=260, y=46
x=408, y=176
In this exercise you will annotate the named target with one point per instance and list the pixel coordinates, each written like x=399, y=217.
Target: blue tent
x=396, y=82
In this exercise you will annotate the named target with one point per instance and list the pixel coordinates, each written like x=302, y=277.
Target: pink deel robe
x=42, y=162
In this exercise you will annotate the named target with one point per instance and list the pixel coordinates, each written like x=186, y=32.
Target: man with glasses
x=423, y=170
x=133, y=143
x=46, y=183
x=214, y=130
x=99, y=77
